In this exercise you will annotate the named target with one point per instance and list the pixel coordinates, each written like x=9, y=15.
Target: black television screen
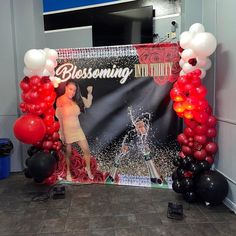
x=123, y=27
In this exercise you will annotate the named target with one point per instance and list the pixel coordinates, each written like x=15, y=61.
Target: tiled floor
x=104, y=210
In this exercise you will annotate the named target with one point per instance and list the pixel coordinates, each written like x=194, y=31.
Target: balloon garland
x=37, y=126
x=189, y=102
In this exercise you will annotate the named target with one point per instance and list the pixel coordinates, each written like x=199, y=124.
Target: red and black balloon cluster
x=196, y=141
x=38, y=125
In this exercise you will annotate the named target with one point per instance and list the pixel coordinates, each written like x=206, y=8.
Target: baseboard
x=231, y=205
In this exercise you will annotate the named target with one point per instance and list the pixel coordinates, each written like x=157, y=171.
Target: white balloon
x=204, y=44
x=208, y=64
x=34, y=59
x=188, y=68
x=27, y=72
x=185, y=39
x=52, y=54
x=197, y=28
x=182, y=73
x=44, y=73
x=203, y=73
x=49, y=65
x=188, y=54
x=46, y=50
x=201, y=62
x=181, y=63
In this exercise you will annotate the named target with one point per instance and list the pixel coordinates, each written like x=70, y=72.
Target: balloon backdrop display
x=37, y=125
x=192, y=178
x=197, y=140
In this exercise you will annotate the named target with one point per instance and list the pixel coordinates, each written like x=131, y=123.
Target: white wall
x=21, y=27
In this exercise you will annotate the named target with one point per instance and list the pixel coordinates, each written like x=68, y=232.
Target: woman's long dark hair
x=77, y=98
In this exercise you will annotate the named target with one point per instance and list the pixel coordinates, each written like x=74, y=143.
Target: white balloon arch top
x=40, y=62
x=197, y=46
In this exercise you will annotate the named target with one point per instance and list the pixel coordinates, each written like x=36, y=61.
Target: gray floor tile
x=226, y=229
x=77, y=224
x=53, y=225
x=102, y=232
x=102, y=222
x=134, y=231
x=125, y=221
x=155, y=230
x=104, y=210
x=148, y=219
x=206, y=229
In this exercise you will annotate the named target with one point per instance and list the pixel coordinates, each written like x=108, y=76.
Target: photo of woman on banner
x=69, y=106
x=138, y=134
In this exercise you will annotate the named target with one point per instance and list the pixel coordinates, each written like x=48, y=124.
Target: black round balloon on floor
x=41, y=165
x=32, y=150
x=175, y=175
x=187, y=184
x=212, y=187
x=177, y=186
x=190, y=197
x=186, y=162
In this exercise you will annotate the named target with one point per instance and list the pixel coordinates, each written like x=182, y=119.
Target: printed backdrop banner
x=131, y=127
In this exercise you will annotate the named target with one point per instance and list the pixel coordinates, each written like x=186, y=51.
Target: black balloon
x=212, y=187
x=41, y=165
x=177, y=186
x=27, y=173
x=175, y=175
x=186, y=162
x=190, y=197
x=195, y=168
x=177, y=161
x=187, y=184
x=32, y=150
x=180, y=172
x=204, y=165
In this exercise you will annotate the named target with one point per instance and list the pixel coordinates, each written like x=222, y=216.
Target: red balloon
x=190, y=144
x=182, y=81
x=211, y=121
x=202, y=139
x=182, y=155
x=182, y=139
x=186, y=150
x=201, y=92
x=178, y=107
x=202, y=105
x=188, y=114
x=35, y=81
x=29, y=129
x=56, y=126
x=211, y=133
x=55, y=136
x=24, y=85
x=190, y=103
x=200, y=154
x=201, y=117
x=190, y=123
x=200, y=129
x=47, y=145
x=189, y=132
x=196, y=81
x=211, y=148
x=210, y=159
x=48, y=120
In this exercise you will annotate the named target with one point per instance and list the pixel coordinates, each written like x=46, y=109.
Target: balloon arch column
x=197, y=140
x=39, y=127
